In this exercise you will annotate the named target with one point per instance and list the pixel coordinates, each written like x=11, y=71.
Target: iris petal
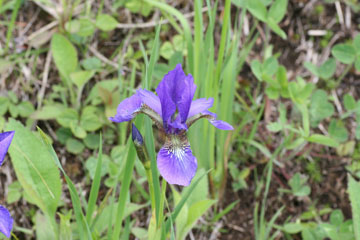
x=200, y=105
x=6, y=222
x=5, y=140
x=177, y=165
x=175, y=91
x=150, y=99
x=127, y=109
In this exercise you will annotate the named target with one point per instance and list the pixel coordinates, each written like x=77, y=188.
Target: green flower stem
x=145, y=159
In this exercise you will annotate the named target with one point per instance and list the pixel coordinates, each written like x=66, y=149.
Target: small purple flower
x=173, y=111
x=6, y=222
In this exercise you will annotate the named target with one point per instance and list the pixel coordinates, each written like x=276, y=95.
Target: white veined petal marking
x=177, y=145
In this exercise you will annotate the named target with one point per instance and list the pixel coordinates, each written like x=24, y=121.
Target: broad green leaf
x=274, y=127
x=256, y=69
x=257, y=9
x=74, y=146
x=77, y=130
x=293, y=227
x=354, y=193
x=106, y=22
x=14, y=192
x=195, y=212
x=4, y=103
x=336, y=217
x=338, y=131
x=345, y=53
x=48, y=112
x=67, y=116
x=356, y=43
x=277, y=10
x=91, y=165
x=80, y=78
x=90, y=119
x=320, y=107
x=312, y=68
x=64, y=54
x=349, y=102
x=327, y=69
x=34, y=168
x=92, y=141
x=357, y=63
x=26, y=109
x=270, y=66
x=43, y=227
x=324, y=140
x=167, y=50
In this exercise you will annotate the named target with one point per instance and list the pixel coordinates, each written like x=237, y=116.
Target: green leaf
x=274, y=127
x=320, y=107
x=167, y=50
x=67, y=116
x=106, y=22
x=92, y=141
x=275, y=27
x=324, y=140
x=345, y=53
x=257, y=9
x=90, y=119
x=270, y=66
x=356, y=43
x=277, y=10
x=80, y=78
x=25, y=109
x=293, y=228
x=256, y=69
x=4, y=104
x=349, y=102
x=77, y=130
x=194, y=213
x=354, y=193
x=74, y=146
x=357, y=63
x=312, y=68
x=336, y=217
x=64, y=54
x=14, y=192
x=35, y=168
x=338, y=131
x=48, y=112
x=327, y=69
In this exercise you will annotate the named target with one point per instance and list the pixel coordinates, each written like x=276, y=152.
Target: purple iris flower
x=6, y=222
x=173, y=111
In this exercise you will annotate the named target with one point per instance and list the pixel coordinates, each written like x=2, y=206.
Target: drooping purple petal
x=212, y=119
x=176, y=91
x=6, y=222
x=221, y=125
x=176, y=164
x=200, y=105
x=127, y=109
x=150, y=99
x=5, y=140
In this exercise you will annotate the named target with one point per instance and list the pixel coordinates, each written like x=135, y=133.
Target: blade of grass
x=12, y=23
x=95, y=186
x=124, y=191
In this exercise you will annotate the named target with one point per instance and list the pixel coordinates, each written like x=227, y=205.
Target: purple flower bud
x=136, y=136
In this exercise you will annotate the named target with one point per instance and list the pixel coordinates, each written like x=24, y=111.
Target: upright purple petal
x=5, y=140
x=150, y=99
x=176, y=91
x=200, y=105
x=127, y=109
x=176, y=164
x=166, y=91
x=6, y=222
x=185, y=94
